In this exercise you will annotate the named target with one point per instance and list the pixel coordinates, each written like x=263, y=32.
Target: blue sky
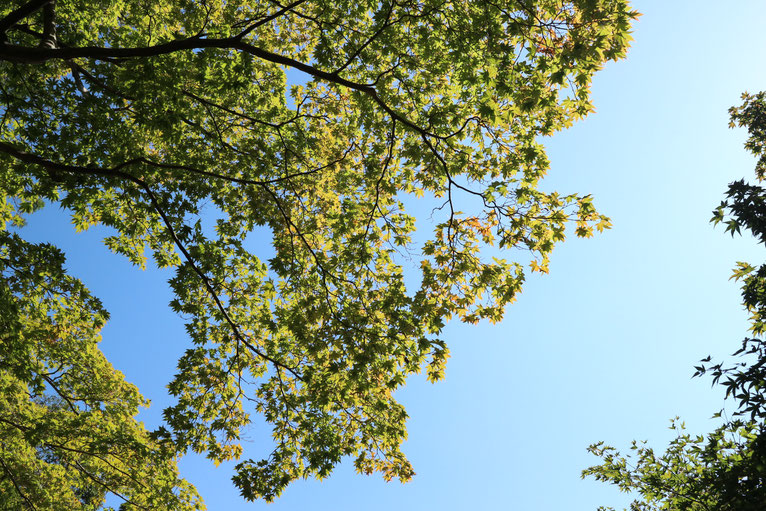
x=602, y=348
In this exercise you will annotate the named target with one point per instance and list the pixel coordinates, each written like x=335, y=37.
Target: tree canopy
x=174, y=125
x=725, y=470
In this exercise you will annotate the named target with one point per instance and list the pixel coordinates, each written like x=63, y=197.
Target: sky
x=602, y=348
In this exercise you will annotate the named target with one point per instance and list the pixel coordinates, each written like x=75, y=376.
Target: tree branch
x=98, y=457
x=16, y=485
x=277, y=14
x=116, y=172
x=106, y=487
x=19, y=14
x=27, y=55
x=49, y=25
x=63, y=396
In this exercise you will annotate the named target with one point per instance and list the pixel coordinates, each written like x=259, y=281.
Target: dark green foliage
x=726, y=470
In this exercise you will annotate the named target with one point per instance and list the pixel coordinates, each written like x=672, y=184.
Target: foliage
x=727, y=470
x=67, y=418
x=162, y=119
x=724, y=471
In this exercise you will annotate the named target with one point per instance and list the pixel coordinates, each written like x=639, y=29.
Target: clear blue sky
x=602, y=348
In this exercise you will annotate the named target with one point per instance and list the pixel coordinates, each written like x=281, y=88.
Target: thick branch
x=23, y=54
x=49, y=25
x=19, y=14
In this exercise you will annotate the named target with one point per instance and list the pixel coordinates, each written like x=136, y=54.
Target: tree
x=136, y=116
x=725, y=471
x=68, y=433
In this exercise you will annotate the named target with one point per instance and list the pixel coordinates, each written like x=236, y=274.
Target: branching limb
x=386, y=23
x=58, y=391
x=19, y=14
x=383, y=172
x=26, y=55
x=49, y=25
x=16, y=485
x=116, y=172
x=106, y=486
x=265, y=20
